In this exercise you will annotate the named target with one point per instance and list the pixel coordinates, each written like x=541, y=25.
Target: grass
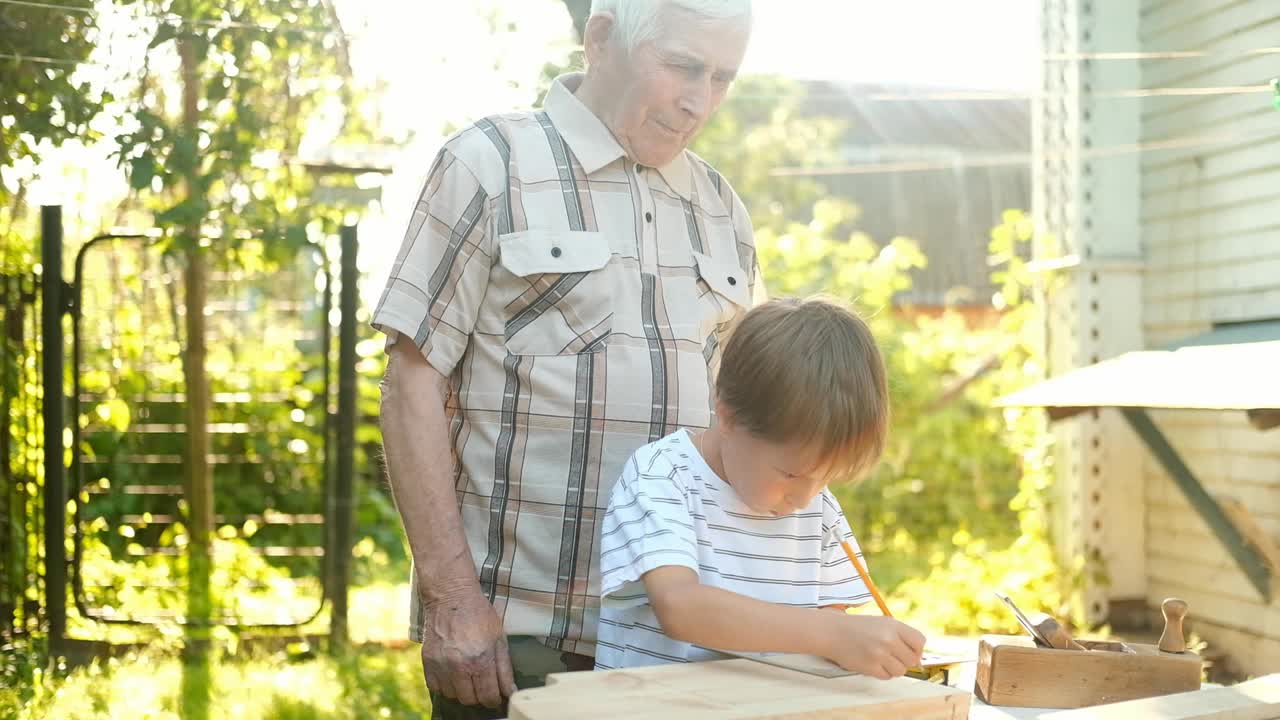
x=368, y=683
x=380, y=677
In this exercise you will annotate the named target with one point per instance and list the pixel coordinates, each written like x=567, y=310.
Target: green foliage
x=957, y=506
x=266, y=73
x=954, y=594
x=21, y=541
x=764, y=125
x=41, y=97
x=262, y=72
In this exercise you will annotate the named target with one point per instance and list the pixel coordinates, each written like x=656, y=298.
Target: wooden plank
x=1244, y=648
x=1235, y=307
x=1232, y=134
x=1253, y=533
x=1205, y=125
x=1164, y=176
x=1253, y=700
x=733, y=690
x=1234, y=221
x=1189, y=552
x=1159, y=334
x=1158, y=379
x=1180, y=538
x=1227, y=64
x=1227, y=252
x=1170, y=212
x=1200, y=196
x=1160, y=154
x=1217, y=432
x=1255, y=478
x=1209, y=608
x=1264, y=515
x=1215, y=280
x=1224, y=580
x=1151, y=10
x=1198, y=23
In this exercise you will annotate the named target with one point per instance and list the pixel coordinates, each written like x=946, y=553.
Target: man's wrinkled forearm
x=415, y=436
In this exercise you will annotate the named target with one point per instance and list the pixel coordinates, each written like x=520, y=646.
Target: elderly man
x=558, y=301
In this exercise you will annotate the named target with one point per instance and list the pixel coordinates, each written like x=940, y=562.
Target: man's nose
x=696, y=98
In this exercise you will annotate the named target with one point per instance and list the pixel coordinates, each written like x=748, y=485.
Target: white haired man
x=559, y=300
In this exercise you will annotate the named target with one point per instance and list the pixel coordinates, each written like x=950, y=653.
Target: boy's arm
x=721, y=619
x=717, y=618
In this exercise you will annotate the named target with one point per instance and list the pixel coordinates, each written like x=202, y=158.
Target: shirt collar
x=591, y=141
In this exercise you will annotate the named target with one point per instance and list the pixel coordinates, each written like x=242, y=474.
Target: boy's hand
x=871, y=644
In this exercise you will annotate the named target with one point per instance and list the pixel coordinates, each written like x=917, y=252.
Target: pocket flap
x=533, y=252
x=726, y=278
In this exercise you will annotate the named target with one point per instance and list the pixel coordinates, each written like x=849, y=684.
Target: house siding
x=1210, y=230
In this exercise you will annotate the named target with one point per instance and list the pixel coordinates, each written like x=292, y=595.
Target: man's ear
x=597, y=38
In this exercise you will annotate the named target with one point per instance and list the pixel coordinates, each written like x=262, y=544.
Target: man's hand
x=871, y=644
x=464, y=650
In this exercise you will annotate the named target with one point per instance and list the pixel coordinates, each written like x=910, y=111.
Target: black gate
x=22, y=573
x=282, y=405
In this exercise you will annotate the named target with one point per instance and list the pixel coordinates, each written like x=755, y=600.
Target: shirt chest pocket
x=722, y=293
x=554, y=286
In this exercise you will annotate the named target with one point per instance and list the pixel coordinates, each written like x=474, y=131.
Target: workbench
x=748, y=689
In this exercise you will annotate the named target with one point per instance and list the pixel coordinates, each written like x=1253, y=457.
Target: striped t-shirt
x=670, y=508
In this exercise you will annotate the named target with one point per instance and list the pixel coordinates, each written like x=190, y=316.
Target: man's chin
x=658, y=159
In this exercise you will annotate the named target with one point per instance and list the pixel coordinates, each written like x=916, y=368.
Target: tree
x=216, y=159
x=43, y=102
x=41, y=98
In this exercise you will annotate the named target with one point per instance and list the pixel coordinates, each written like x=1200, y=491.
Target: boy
x=729, y=538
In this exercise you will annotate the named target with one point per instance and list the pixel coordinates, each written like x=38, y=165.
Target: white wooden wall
x=1210, y=212
x=1088, y=200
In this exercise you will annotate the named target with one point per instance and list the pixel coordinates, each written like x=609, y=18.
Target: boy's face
x=771, y=478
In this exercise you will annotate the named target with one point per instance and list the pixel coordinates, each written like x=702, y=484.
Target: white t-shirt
x=669, y=508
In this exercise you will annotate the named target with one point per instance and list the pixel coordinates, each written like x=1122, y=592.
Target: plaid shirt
x=577, y=301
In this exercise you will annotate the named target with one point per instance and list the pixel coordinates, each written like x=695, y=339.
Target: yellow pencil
x=917, y=671
x=866, y=578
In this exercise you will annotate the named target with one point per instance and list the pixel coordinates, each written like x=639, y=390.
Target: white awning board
x=1243, y=376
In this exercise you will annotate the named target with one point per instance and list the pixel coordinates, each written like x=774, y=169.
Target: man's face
x=658, y=96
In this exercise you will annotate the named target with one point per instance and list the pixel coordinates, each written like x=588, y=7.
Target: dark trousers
x=531, y=662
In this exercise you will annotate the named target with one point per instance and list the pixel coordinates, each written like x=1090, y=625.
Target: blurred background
x=200, y=201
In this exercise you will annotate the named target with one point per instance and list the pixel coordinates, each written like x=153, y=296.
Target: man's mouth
x=666, y=128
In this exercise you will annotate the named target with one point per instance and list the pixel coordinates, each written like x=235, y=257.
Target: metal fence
x=94, y=369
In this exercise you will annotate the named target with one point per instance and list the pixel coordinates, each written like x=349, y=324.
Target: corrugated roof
x=949, y=210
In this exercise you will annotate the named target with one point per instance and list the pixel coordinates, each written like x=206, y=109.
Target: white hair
x=636, y=21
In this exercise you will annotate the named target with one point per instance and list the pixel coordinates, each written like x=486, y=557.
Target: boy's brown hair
x=808, y=372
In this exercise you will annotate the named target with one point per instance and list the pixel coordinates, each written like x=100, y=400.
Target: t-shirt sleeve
x=648, y=525
x=440, y=275
x=840, y=584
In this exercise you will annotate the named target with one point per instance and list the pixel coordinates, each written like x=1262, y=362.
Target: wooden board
x=733, y=690
x=1013, y=671
x=1257, y=699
